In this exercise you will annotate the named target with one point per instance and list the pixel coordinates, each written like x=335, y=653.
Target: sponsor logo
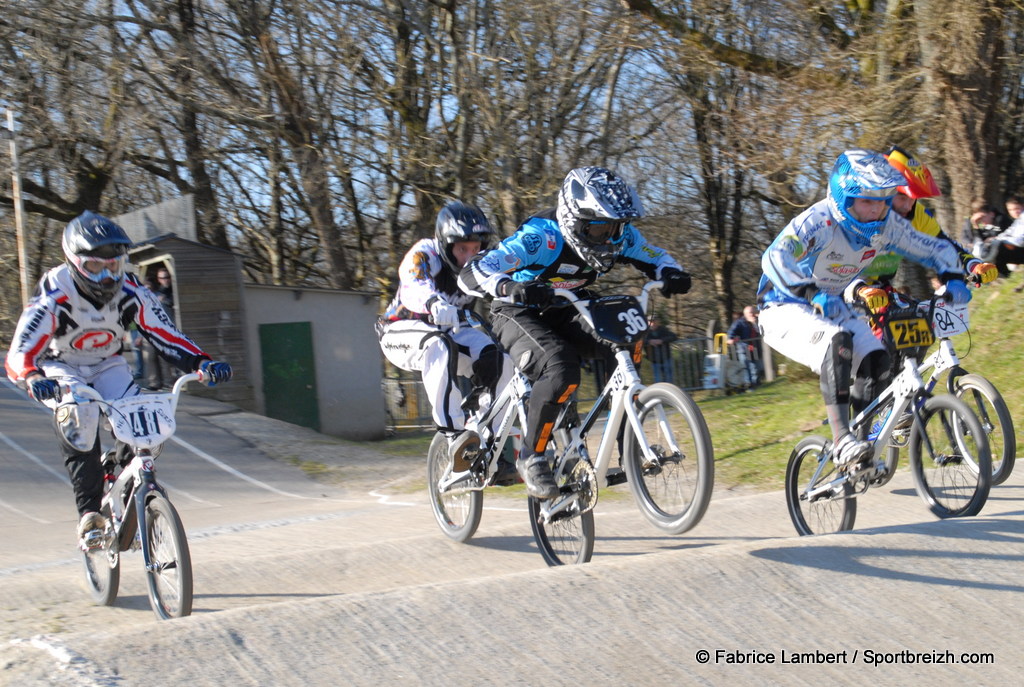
x=532, y=243
x=551, y=239
x=843, y=270
x=93, y=340
x=397, y=346
x=511, y=261
x=568, y=269
x=833, y=255
x=868, y=254
x=568, y=283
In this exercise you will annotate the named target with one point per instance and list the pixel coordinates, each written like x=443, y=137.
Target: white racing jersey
x=62, y=325
x=423, y=279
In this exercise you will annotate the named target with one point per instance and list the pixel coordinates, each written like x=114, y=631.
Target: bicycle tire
x=457, y=511
x=170, y=578
x=567, y=539
x=103, y=569
x=955, y=479
x=829, y=513
x=984, y=399
x=674, y=490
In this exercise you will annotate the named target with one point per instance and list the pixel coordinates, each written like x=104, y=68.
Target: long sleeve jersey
x=813, y=254
x=422, y=279
x=537, y=251
x=61, y=324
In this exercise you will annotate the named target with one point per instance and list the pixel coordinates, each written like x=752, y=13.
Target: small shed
x=209, y=305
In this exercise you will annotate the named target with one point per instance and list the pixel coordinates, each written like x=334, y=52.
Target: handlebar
x=83, y=392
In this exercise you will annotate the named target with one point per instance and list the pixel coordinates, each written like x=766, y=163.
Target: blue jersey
x=537, y=251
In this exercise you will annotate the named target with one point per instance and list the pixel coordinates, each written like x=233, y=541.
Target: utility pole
x=19, y=225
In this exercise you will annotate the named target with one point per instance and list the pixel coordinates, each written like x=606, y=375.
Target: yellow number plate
x=911, y=333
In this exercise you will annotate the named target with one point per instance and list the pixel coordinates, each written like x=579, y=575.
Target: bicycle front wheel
x=457, y=508
x=672, y=484
x=950, y=459
x=987, y=403
x=816, y=506
x=169, y=570
x=567, y=539
x=103, y=568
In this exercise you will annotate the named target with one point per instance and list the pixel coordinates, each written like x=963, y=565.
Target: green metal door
x=289, y=373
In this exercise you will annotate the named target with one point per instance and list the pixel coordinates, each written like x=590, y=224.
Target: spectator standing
x=659, y=349
x=159, y=374
x=745, y=336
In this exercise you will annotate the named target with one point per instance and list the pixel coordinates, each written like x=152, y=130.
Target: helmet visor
x=874, y=193
x=598, y=232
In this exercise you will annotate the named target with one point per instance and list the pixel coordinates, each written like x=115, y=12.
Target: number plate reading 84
x=618, y=319
x=911, y=333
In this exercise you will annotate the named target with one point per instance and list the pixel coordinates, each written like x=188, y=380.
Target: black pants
x=1002, y=254
x=548, y=347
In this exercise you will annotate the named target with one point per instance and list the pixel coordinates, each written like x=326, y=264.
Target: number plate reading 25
x=911, y=333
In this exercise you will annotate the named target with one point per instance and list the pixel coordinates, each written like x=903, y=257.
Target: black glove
x=537, y=293
x=675, y=281
x=43, y=389
x=215, y=372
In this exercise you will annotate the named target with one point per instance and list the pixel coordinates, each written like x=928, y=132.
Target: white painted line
x=35, y=459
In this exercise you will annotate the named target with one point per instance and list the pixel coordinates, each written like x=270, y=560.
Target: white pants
x=440, y=356
x=112, y=378
x=798, y=332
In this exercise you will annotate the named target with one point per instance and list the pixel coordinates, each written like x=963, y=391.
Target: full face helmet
x=919, y=181
x=866, y=174
x=96, y=251
x=594, y=206
x=460, y=222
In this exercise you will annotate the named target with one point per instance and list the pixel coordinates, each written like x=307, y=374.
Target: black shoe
x=506, y=475
x=536, y=472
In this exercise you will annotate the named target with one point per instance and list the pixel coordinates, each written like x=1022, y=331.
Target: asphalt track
x=346, y=579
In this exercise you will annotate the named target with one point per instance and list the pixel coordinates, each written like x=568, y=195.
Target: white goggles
x=100, y=269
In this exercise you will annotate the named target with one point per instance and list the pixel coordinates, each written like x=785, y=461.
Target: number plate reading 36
x=911, y=333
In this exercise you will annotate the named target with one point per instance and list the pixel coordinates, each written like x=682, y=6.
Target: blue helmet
x=860, y=173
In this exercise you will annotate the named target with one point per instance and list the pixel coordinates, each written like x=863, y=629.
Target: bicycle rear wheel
x=672, y=486
x=567, y=539
x=169, y=572
x=950, y=459
x=987, y=403
x=458, y=508
x=813, y=507
x=103, y=568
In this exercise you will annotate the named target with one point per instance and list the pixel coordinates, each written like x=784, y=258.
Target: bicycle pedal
x=92, y=540
x=615, y=476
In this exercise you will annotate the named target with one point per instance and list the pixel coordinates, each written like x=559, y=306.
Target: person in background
x=1014, y=207
x=158, y=373
x=745, y=336
x=72, y=331
x=659, y=349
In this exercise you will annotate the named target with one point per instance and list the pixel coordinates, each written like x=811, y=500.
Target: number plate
x=911, y=333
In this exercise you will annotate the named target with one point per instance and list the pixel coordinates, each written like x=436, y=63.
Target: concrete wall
x=345, y=349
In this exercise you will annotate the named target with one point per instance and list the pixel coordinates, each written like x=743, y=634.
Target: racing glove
x=215, y=372
x=986, y=272
x=43, y=389
x=957, y=292
x=876, y=299
x=675, y=282
x=444, y=314
x=828, y=305
x=537, y=293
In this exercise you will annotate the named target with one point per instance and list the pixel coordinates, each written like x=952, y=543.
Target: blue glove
x=957, y=292
x=43, y=389
x=828, y=305
x=675, y=281
x=215, y=372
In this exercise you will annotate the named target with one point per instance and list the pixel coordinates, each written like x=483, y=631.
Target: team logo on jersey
x=567, y=283
x=868, y=254
x=532, y=243
x=420, y=266
x=511, y=262
x=792, y=245
x=568, y=269
x=843, y=270
x=833, y=255
x=94, y=339
x=551, y=239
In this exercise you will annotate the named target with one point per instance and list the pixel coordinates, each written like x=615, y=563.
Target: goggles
x=98, y=269
x=875, y=193
x=597, y=232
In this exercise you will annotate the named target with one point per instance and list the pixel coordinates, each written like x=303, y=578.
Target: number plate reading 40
x=911, y=333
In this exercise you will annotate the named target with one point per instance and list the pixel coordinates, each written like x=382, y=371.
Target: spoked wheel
x=457, y=508
x=103, y=568
x=950, y=458
x=814, y=506
x=567, y=538
x=672, y=485
x=169, y=575
x=987, y=403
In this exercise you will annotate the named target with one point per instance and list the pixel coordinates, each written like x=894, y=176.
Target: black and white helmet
x=96, y=251
x=460, y=222
x=594, y=206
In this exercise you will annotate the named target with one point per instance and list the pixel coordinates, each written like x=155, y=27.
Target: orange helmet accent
x=920, y=183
